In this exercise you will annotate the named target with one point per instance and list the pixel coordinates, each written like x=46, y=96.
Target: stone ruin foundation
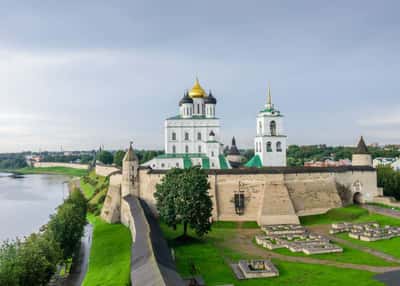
x=249, y=269
x=369, y=231
x=295, y=238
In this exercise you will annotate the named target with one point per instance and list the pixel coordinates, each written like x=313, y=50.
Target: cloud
x=381, y=117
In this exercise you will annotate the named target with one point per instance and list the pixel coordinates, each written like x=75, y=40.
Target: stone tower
x=361, y=156
x=270, y=141
x=130, y=173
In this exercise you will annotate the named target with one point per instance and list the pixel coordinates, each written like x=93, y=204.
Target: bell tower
x=270, y=140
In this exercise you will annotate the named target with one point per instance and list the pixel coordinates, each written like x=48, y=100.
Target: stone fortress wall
x=271, y=195
x=59, y=164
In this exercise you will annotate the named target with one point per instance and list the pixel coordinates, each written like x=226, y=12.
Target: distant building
x=328, y=163
x=383, y=161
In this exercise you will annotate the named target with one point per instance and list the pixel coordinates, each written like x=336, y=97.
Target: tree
x=9, y=268
x=67, y=227
x=105, y=157
x=389, y=180
x=182, y=198
x=118, y=157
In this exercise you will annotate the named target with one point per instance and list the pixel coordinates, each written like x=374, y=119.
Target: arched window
x=199, y=136
x=212, y=153
x=278, y=146
x=269, y=147
x=186, y=136
x=272, y=128
x=173, y=149
x=173, y=136
x=198, y=108
x=186, y=149
x=199, y=149
x=259, y=127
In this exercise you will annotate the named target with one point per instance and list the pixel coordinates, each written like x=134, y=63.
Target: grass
x=52, y=170
x=349, y=255
x=235, y=224
x=89, y=189
x=211, y=260
x=384, y=206
x=349, y=213
x=109, y=261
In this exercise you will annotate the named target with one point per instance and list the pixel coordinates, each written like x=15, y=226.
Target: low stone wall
x=60, y=164
x=151, y=260
x=103, y=170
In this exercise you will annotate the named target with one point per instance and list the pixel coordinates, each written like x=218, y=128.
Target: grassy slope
x=52, y=170
x=109, y=262
x=349, y=213
x=211, y=261
x=88, y=189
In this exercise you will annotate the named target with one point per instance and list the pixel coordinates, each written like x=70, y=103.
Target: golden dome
x=197, y=91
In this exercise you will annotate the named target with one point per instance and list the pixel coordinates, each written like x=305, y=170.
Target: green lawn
x=211, y=261
x=235, y=224
x=349, y=213
x=349, y=255
x=109, y=262
x=52, y=170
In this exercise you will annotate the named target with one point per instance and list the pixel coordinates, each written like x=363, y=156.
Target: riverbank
x=48, y=170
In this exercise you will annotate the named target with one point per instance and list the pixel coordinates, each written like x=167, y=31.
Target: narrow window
x=186, y=136
x=259, y=127
x=198, y=108
x=174, y=149
x=173, y=136
x=199, y=136
x=199, y=149
x=278, y=146
x=272, y=127
x=269, y=147
x=186, y=149
x=212, y=153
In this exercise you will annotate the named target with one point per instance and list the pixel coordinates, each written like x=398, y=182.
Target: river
x=26, y=203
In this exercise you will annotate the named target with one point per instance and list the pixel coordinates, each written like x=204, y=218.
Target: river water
x=27, y=203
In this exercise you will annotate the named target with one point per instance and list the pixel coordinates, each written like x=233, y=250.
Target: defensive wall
x=106, y=170
x=277, y=194
x=60, y=164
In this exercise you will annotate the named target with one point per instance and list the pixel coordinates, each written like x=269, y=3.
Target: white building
x=192, y=137
x=270, y=140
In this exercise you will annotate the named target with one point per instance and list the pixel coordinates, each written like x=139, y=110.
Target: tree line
x=34, y=260
x=389, y=180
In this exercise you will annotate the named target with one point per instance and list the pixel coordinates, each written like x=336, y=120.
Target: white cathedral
x=192, y=138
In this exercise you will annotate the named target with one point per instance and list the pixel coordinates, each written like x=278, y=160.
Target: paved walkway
x=381, y=210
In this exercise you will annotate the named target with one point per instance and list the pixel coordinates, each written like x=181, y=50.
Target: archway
x=357, y=198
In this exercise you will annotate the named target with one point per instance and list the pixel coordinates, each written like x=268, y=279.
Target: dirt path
x=243, y=242
x=382, y=211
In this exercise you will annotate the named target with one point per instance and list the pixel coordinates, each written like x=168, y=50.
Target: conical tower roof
x=361, y=147
x=130, y=154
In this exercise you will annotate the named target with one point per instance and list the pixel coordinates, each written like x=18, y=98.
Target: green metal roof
x=222, y=162
x=254, y=162
x=205, y=163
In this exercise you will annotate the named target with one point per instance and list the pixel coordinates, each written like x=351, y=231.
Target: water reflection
x=26, y=203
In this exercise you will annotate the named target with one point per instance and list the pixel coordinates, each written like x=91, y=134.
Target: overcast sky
x=78, y=74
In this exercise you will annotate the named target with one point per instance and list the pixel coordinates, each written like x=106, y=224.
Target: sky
x=79, y=74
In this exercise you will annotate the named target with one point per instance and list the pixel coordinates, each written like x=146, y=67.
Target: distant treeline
x=35, y=259
x=12, y=161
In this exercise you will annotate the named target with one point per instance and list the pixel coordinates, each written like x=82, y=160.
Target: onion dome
x=197, y=91
x=185, y=99
x=361, y=147
x=210, y=99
